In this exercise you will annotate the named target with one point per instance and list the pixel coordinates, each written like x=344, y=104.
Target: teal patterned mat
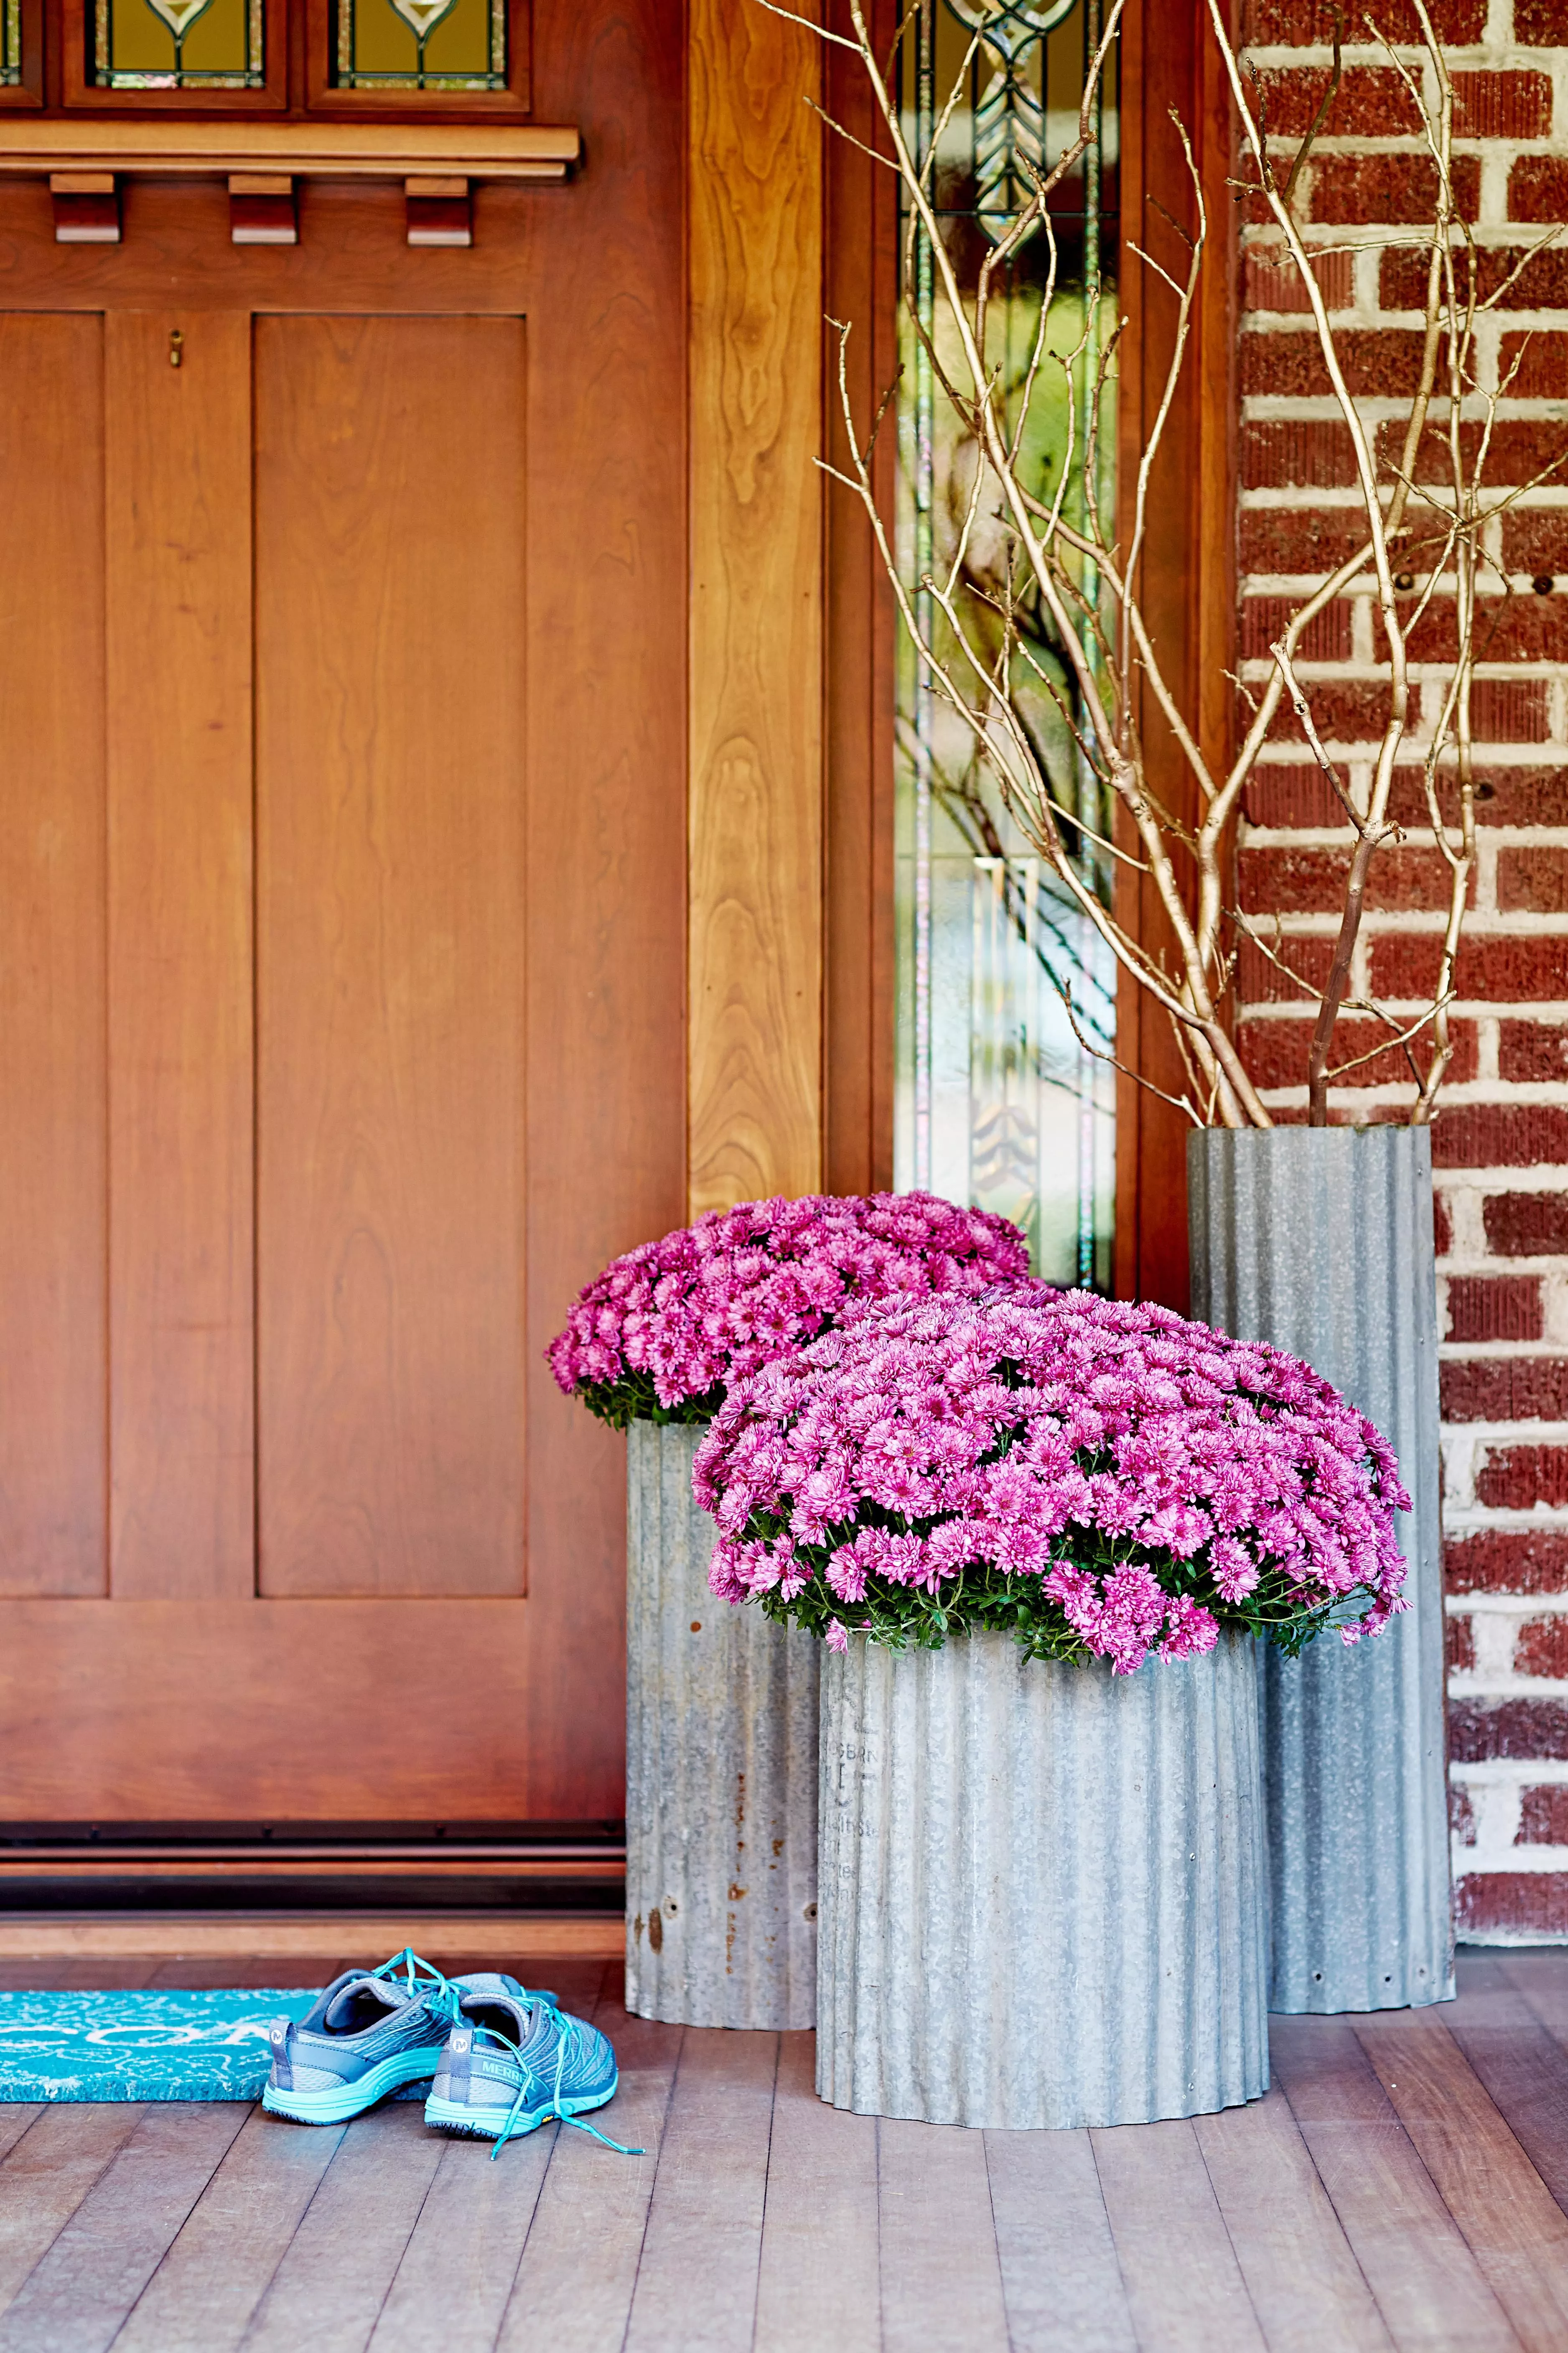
x=143, y=2045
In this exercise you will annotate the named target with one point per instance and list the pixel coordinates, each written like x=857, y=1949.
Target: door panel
x=52, y=1266
x=455, y=1083
x=391, y=931
x=180, y=1151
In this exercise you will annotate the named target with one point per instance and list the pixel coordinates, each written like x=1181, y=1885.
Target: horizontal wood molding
x=337, y=150
x=342, y=1938
x=755, y=823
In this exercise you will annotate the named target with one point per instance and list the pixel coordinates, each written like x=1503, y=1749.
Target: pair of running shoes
x=499, y=2060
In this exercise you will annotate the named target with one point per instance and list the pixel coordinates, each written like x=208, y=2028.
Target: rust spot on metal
x=735, y=1893
x=637, y=1929
x=655, y=1930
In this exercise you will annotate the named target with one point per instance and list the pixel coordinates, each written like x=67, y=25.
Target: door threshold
x=347, y=1936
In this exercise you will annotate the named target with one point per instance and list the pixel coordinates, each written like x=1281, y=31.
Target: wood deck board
x=1061, y=2281
x=934, y=2196
x=79, y=2293
x=1306, y=2288
x=206, y=2291
x=1513, y=2224
x=451, y=2287
x=1429, y=2288
x=328, y=2291
x=579, y=2268
x=1403, y=2191
x=696, y=2276
x=1183, y=2282
x=818, y=2281
x=1524, y=2069
x=45, y=2177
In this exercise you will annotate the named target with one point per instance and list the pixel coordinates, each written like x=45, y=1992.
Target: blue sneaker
x=369, y=2034
x=515, y=2060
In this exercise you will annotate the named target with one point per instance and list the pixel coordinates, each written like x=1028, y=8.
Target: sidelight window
x=1006, y=1093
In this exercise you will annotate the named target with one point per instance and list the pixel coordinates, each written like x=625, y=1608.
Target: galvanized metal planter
x=1319, y=1240
x=1041, y=1886
x=721, y=1709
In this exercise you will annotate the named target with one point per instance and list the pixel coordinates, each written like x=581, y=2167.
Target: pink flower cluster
x=671, y=1323
x=1146, y=1475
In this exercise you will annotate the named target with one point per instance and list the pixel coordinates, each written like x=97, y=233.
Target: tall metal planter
x=1041, y=1886
x=721, y=1721
x=1319, y=1240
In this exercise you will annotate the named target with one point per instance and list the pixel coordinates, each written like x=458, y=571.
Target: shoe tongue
x=490, y=1990
x=380, y=1989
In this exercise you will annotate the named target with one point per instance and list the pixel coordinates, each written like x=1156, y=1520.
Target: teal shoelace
x=423, y=1981
x=567, y=2039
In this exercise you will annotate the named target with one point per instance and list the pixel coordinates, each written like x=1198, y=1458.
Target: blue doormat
x=142, y=2046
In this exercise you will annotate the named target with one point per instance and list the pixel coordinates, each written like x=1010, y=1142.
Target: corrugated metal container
x=721, y=1709
x=1041, y=1886
x=1319, y=1240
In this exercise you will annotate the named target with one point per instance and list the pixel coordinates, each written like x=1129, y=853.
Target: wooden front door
x=341, y=846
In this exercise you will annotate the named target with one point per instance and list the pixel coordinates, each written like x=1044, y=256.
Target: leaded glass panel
x=1006, y=997
x=179, y=45
x=452, y=45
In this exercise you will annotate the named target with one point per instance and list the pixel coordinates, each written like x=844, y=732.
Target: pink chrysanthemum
x=661, y=1333
x=1107, y=1479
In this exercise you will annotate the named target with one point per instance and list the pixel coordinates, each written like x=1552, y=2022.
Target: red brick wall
x=1500, y=1146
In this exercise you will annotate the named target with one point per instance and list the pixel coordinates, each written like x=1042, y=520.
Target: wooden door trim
x=357, y=149
x=1169, y=62
x=755, y=1118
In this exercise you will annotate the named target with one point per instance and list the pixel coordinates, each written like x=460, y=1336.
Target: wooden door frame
x=790, y=920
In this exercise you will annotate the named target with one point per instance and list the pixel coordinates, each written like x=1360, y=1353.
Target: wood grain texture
x=181, y=1145
x=1187, y=575
x=1306, y=2286
x=578, y=2273
x=606, y=843
x=390, y=916
x=534, y=151
x=45, y=2176
x=108, y=1712
x=817, y=2283
x=704, y=2222
x=204, y=2292
x=1515, y=2229
x=1183, y=2283
x=332, y=2281
x=53, y=1294
x=1523, y=2068
x=755, y=815
x=1061, y=2280
x=289, y=1941
x=79, y=2292
x=929, y=2304
x=861, y=259
x=456, y=2274
x=1416, y=2260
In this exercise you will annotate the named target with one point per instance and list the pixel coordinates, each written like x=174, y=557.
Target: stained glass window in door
x=444, y=44
x=178, y=45
x=1006, y=993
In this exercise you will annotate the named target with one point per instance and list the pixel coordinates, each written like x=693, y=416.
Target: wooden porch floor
x=1404, y=2185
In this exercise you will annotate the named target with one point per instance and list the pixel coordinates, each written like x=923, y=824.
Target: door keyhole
x=176, y=346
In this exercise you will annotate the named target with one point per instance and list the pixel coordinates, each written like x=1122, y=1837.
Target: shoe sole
x=489, y=2122
x=352, y=2099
